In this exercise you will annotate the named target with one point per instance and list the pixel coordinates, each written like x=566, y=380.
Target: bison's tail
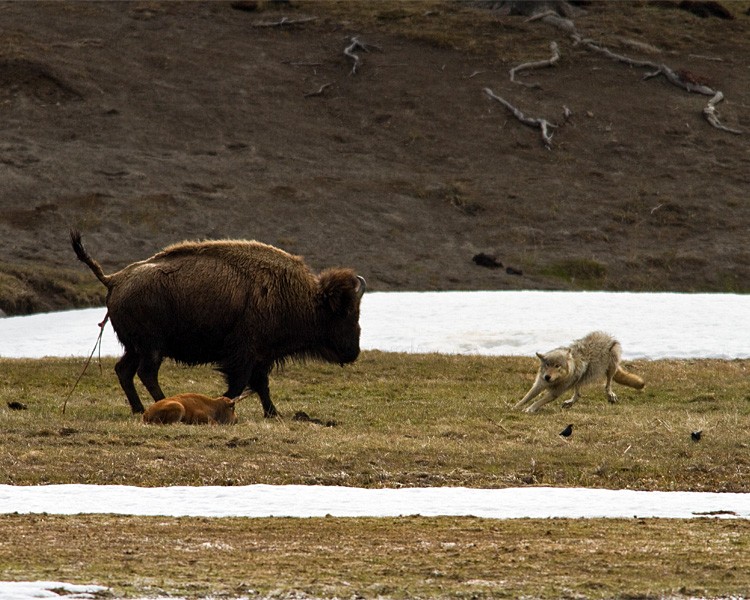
x=84, y=257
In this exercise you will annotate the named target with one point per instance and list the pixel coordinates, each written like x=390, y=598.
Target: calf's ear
x=340, y=290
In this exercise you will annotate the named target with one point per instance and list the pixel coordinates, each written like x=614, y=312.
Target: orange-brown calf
x=193, y=409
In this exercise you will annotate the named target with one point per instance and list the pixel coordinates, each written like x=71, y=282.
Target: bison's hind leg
x=126, y=368
x=148, y=373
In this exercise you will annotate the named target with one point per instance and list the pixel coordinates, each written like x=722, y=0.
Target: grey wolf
x=586, y=361
x=193, y=409
x=242, y=305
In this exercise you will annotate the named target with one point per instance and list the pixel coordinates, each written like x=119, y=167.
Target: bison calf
x=244, y=306
x=193, y=409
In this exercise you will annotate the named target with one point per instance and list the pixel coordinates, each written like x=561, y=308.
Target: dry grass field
x=393, y=420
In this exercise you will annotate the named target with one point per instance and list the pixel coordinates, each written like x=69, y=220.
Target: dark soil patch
x=143, y=124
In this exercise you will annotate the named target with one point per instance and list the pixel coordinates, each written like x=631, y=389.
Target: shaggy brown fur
x=193, y=409
x=242, y=305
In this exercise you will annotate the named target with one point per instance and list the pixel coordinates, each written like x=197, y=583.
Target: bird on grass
x=567, y=431
x=696, y=435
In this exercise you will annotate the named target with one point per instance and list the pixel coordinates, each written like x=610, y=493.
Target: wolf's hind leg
x=608, y=386
x=535, y=390
x=547, y=398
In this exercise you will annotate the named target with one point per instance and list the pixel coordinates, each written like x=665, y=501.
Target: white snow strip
x=648, y=325
x=318, y=501
x=26, y=590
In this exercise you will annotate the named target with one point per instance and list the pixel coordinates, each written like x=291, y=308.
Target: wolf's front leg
x=535, y=390
x=573, y=399
x=547, y=398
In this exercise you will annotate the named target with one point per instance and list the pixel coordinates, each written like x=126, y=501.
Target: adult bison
x=242, y=305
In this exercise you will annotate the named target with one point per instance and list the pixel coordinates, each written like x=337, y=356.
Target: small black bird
x=696, y=435
x=567, y=431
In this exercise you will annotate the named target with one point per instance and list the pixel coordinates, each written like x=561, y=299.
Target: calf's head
x=225, y=411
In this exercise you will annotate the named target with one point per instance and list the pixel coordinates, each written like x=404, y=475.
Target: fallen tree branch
x=284, y=21
x=319, y=92
x=580, y=40
x=542, y=124
x=539, y=64
x=681, y=79
x=349, y=51
x=710, y=113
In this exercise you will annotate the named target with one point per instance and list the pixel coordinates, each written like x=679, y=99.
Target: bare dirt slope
x=147, y=123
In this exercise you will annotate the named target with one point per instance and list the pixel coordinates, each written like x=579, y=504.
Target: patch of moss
x=585, y=273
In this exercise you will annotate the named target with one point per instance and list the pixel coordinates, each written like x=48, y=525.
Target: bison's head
x=340, y=294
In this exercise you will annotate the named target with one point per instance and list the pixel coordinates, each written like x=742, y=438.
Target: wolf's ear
x=540, y=356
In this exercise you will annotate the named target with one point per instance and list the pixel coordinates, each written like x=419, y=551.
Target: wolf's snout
x=547, y=377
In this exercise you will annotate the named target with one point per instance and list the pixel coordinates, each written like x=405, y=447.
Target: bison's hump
x=227, y=248
x=242, y=255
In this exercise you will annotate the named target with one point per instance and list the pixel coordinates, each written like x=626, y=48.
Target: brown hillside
x=147, y=123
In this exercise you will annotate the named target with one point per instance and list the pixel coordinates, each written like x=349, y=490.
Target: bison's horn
x=362, y=285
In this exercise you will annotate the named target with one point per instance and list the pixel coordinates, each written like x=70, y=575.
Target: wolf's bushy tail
x=625, y=378
x=84, y=257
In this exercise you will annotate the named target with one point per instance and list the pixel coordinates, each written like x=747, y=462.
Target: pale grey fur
x=587, y=360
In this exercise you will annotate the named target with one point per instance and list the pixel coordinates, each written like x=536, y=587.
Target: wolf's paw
x=612, y=398
x=568, y=403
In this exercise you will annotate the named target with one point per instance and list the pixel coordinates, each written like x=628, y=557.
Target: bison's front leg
x=258, y=382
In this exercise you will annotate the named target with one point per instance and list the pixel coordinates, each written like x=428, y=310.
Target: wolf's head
x=556, y=365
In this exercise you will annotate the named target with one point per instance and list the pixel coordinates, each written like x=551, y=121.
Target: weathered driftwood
x=284, y=21
x=710, y=113
x=677, y=78
x=543, y=124
x=319, y=92
x=349, y=51
x=539, y=64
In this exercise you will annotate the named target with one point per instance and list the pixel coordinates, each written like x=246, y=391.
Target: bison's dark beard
x=337, y=357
